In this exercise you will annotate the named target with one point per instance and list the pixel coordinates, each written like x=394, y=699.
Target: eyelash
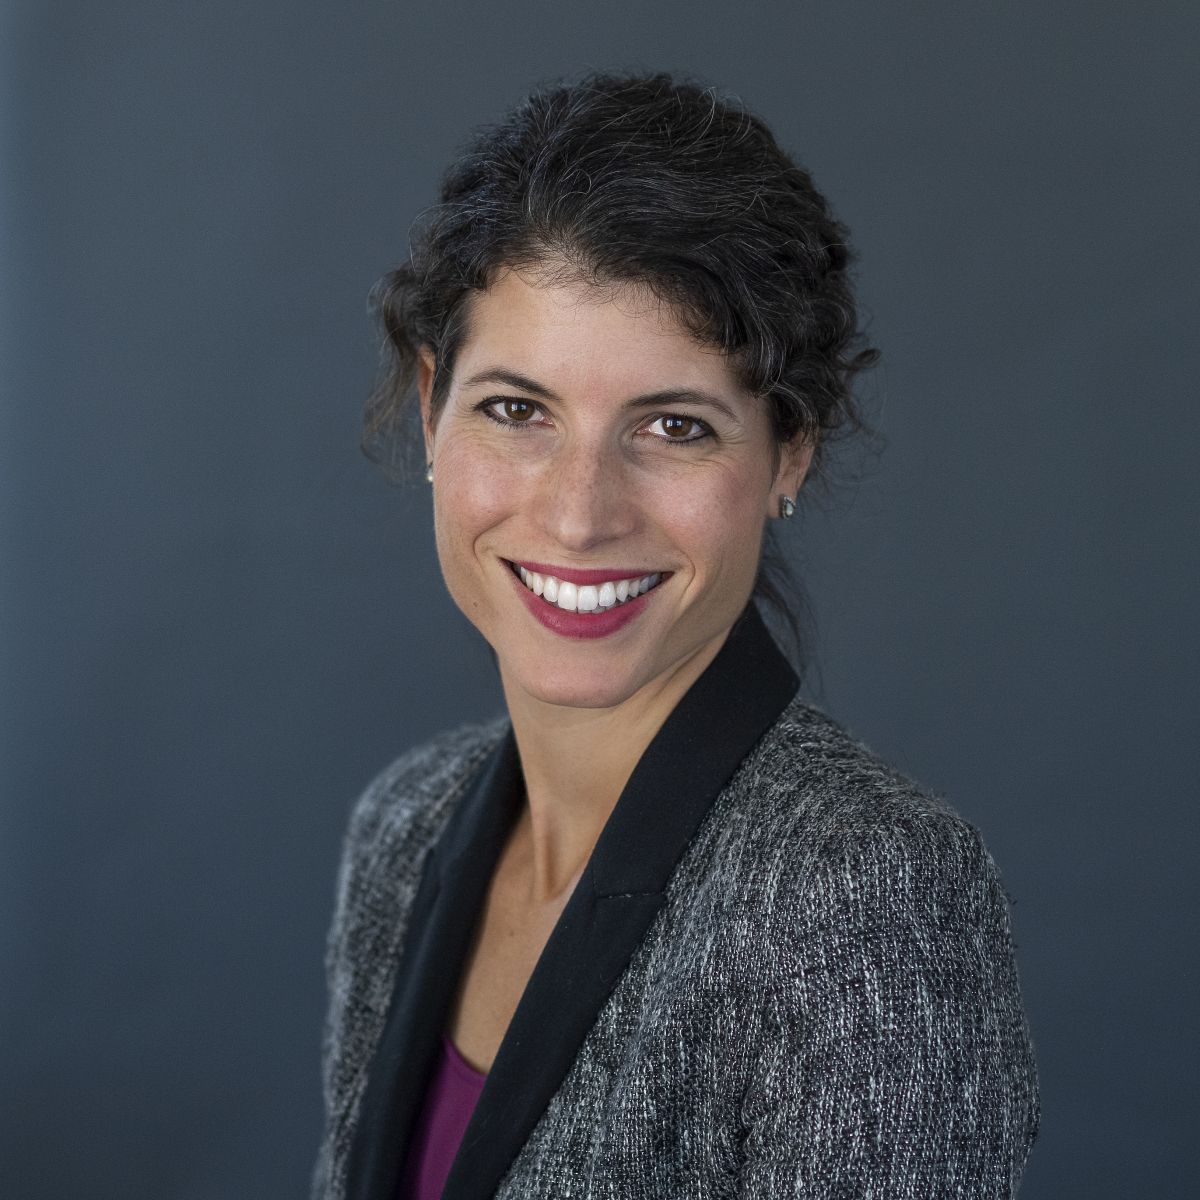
x=485, y=406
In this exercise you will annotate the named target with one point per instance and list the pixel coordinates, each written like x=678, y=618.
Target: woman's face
x=556, y=447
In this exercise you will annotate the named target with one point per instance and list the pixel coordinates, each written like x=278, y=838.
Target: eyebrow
x=650, y=400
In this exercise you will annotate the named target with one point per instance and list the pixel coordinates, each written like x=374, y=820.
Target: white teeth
x=586, y=597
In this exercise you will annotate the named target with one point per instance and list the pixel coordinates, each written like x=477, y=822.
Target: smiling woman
x=662, y=928
x=591, y=477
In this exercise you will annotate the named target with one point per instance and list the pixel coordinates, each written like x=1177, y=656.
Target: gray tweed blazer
x=787, y=970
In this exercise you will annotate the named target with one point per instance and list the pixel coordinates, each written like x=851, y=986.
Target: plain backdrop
x=217, y=621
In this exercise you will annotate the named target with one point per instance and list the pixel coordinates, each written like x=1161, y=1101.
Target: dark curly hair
x=651, y=180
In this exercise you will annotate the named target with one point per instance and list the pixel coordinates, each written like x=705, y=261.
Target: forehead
x=578, y=335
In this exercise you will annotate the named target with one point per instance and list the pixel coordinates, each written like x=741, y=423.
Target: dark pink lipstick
x=582, y=625
x=575, y=575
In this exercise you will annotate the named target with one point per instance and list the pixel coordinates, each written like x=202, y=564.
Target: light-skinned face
x=552, y=449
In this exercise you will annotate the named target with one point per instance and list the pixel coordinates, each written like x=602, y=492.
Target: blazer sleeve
x=337, y=1056
x=896, y=1060
x=358, y=942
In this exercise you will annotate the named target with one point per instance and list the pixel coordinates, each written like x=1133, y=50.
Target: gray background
x=218, y=621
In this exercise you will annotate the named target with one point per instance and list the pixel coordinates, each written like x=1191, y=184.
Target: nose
x=585, y=498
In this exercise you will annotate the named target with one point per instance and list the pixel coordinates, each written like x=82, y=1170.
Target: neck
x=576, y=762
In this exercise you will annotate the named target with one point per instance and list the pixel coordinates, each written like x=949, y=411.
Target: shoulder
x=815, y=779
x=402, y=809
x=415, y=791
x=840, y=825
x=882, y=950
x=392, y=824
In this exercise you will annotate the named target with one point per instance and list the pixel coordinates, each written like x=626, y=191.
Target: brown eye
x=518, y=410
x=510, y=411
x=681, y=429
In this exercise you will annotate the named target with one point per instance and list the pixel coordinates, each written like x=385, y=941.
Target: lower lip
x=581, y=625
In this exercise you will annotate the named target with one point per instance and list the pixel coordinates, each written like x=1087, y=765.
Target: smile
x=596, y=597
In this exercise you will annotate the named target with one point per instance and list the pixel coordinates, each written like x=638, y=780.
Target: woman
x=663, y=929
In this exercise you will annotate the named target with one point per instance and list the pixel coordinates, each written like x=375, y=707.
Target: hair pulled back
x=652, y=181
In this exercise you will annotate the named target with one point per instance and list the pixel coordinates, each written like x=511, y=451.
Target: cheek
x=719, y=525
x=474, y=493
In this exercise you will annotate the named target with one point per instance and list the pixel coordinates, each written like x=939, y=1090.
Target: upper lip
x=575, y=575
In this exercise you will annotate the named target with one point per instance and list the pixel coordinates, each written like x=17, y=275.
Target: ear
x=425, y=368
x=795, y=457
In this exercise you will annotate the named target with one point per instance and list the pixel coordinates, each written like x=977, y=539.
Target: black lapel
x=688, y=762
x=440, y=926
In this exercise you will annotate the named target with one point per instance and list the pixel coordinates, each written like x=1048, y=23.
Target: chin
x=570, y=687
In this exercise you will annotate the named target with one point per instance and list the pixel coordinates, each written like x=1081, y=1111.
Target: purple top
x=454, y=1087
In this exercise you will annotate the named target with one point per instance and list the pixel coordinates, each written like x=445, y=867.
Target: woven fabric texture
x=827, y=1004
